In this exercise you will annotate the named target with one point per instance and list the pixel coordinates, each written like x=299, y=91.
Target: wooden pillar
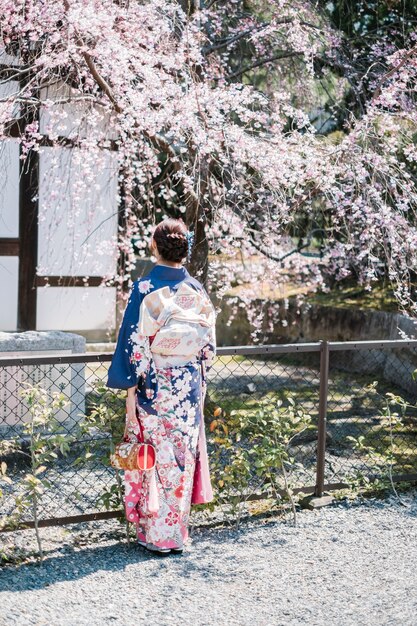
x=28, y=234
x=121, y=262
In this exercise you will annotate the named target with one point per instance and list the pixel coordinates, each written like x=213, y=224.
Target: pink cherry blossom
x=156, y=94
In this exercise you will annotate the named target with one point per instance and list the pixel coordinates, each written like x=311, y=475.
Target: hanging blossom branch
x=246, y=168
x=104, y=86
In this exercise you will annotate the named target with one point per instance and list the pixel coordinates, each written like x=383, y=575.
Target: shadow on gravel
x=201, y=559
x=69, y=565
x=65, y=563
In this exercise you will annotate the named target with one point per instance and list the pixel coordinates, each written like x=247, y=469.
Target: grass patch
x=344, y=296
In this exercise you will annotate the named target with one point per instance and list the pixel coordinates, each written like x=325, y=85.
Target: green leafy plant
x=384, y=453
x=252, y=451
x=100, y=429
x=45, y=441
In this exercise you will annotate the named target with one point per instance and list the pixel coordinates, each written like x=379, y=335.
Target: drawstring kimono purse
x=134, y=456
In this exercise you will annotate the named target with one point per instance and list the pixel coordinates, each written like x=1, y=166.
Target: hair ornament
x=190, y=242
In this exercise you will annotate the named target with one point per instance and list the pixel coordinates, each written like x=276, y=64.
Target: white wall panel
x=10, y=88
x=6, y=58
x=9, y=188
x=69, y=115
x=77, y=212
x=9, y=268
x=75, y=308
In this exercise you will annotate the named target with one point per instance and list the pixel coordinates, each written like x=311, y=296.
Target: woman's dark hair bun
x=171, y=240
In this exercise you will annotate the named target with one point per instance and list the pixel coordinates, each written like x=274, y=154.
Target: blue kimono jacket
x=123, y=371
x=133, y=363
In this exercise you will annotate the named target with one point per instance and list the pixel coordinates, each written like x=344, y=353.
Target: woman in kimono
x=165, y=345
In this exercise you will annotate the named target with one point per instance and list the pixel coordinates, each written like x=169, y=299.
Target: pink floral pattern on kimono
x=172, y=423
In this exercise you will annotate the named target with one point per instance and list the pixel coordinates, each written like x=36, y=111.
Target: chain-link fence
x=338, y=412
x=371, y=411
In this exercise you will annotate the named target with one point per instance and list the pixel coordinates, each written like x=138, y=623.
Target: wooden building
x=58, y=233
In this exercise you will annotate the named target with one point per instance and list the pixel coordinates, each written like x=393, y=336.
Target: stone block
x=68, y=378
x=314, y=502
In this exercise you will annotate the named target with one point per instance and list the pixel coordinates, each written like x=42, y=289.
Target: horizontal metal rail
x=372, y=345
x=101, y=515
x=97, y=357
x=62, y=521
x=283, y=348
x=84, y=357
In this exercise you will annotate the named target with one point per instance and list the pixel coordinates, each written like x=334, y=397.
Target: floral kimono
x=165, y=345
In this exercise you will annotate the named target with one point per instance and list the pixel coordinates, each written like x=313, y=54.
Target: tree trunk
x=196, y=219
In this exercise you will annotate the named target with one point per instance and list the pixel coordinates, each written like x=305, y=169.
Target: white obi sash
x=181, y=323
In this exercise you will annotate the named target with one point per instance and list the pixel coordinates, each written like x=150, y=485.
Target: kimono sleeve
x=122, y=372
x=208, y=352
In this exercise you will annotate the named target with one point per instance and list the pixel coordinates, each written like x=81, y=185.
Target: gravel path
x=348, y=564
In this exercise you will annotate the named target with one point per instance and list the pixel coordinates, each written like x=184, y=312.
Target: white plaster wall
x=9, y=268
x=75, y=308
x=9, y=188
x=77, y=217
x=72, y=115
x=9, y=212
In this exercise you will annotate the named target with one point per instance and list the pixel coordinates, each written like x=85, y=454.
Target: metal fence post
x=321, y=430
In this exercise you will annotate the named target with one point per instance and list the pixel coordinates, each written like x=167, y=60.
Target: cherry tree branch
x=275, y=57
x=101, y=82
x=405, y=57
x=224, y=43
